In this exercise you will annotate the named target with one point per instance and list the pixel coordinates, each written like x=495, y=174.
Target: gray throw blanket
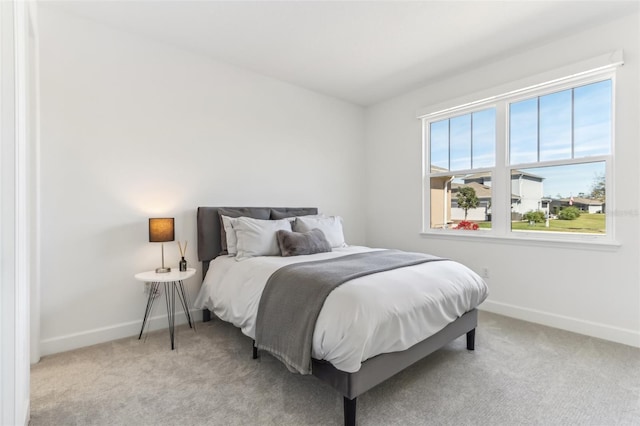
x=294, y=294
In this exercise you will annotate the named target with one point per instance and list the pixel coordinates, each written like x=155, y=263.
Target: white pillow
x=293, y=218
x=257, y=237
x=331, y=227
x=232, y=241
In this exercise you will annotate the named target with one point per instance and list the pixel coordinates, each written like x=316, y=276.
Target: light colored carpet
x=519, y=374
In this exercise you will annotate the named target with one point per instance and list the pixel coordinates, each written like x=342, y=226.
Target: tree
x=598, y=187
x=537, y=216
x=569, y=213
x=467, y=199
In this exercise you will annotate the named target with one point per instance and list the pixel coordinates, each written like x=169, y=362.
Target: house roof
x=513, y=173
x=583, y=201
x=436, y=169
x=482, y=191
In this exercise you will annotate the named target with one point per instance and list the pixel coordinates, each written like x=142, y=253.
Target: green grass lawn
x=586, y=223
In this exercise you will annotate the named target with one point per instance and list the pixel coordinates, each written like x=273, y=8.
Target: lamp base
x=162, y=270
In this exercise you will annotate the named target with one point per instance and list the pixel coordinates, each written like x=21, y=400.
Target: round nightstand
x=172, y=285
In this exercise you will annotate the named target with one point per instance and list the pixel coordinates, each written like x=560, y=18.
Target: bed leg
x=349, y=411
x=206, y=315
x=471, y=339
x=255, y=350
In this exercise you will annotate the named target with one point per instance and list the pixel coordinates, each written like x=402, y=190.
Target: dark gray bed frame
x=374, y=370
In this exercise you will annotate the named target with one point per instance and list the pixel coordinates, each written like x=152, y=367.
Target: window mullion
x=538, y=127
x=426, y=170
x=572, y=123
x=471, y=140
x=610, y=207
x=449, y=143
x=501, y=195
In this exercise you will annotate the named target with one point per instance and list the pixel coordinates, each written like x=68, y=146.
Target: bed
x=351, y=364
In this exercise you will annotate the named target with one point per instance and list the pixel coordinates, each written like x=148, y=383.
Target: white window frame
x=501, y=182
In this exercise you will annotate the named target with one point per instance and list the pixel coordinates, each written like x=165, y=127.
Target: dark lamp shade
x=161, y=230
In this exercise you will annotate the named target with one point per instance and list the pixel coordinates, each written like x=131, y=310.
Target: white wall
x=16, y=158
x=591, y=291
x=133, y=129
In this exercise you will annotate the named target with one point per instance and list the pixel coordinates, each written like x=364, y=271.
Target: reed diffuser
x=183, y=251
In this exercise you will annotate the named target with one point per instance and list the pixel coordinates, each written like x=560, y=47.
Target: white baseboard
x=106, y=334
x=589, y=328
x=159, y=322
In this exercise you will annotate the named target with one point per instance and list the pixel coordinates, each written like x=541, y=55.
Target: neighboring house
x=527, y=192
x=526, y=195
x=440, y=201
x=480, y=213
x=587, y=205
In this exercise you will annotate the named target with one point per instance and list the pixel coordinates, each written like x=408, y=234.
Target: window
x=572, y=126
x=531, y=162
x=462, y=149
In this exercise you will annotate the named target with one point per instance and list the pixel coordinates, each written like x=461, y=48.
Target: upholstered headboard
x=209, y=243
x=209, y=234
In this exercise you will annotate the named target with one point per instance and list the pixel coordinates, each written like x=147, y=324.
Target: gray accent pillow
x=253, y=212
x=299, y=243
x=283, y=213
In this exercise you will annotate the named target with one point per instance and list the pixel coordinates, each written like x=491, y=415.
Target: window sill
x=527, y=239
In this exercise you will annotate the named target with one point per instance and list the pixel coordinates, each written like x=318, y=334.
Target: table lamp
x=160, y=231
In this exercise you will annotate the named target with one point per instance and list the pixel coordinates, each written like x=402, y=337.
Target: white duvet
x=384, y=312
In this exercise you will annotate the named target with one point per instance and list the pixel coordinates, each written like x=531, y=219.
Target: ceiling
x=359, y=51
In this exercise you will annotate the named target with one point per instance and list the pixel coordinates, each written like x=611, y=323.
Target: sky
x=570, y=124
x=568, y=180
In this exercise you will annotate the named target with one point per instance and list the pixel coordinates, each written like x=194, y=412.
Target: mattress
x=385, y=312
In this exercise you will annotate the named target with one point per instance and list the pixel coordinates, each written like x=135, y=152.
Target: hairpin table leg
x=153, y=289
